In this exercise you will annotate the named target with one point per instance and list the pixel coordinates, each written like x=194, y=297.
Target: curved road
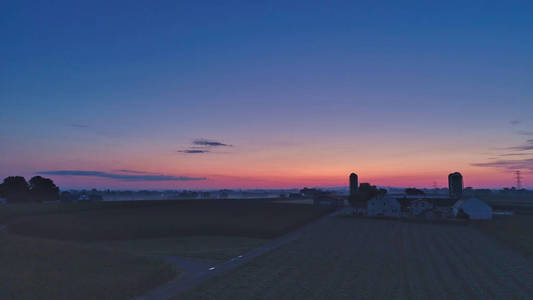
x=199, y=272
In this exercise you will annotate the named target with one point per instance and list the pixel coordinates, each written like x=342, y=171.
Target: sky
x=266, y=94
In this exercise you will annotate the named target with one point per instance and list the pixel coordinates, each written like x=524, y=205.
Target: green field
x=34, y=268
x=520, y=203
x=247, y=218
x=353, y=258
x=11, y=212
x=209, y=248
x=109, y=250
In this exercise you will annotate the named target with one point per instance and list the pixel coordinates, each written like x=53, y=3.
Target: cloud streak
x=133, y=171
x=521, y=154
x=209, y=143
x=513, y=154
x=193, y=151
x=201, y=146
x=525, y=132
x=122, y=177
x=527, y=146
x=518, y=164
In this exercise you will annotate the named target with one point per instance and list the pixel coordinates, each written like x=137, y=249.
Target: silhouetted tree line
x=310, y=193
x=39, y=189
x=72, y=196
x=365, y=192
x=413, y=191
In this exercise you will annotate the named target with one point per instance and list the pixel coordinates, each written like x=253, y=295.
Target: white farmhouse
x=383, y=206
x=475, y=209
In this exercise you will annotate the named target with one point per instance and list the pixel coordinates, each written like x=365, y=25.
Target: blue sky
x=111, y=84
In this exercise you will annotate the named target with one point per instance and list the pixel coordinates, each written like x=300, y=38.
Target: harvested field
x=513, y=231
x=247, y=218
x=351, y=258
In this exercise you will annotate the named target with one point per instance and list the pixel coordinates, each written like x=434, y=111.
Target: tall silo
x=354, y=183
x=455, y=185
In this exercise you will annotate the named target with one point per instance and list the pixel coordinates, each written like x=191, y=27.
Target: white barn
x=475, y=209
x=383, y=206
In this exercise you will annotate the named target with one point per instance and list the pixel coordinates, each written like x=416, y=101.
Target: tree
x=66, y=197
x=413, y=191
x=365, y=193
x=15, y=189
x=43, y=189
x=368, y=191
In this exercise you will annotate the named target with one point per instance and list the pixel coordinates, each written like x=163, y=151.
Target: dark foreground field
x=33, y=268
x=351, y=258
x=514, y=231
x=248, y=218
x=108, y=250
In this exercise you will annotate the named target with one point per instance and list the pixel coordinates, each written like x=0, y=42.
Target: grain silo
x=354, y=183
x=455, y=185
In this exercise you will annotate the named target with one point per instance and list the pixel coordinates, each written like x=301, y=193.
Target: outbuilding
x=327, y=200
x=420, y=207
x=384, y=206
x=474, y=208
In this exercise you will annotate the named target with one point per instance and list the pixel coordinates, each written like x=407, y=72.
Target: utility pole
x=518, y=178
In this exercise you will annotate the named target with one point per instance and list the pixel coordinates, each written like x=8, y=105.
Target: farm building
x=359, y=207
x=443, y=207
x=328, y=200
x=428, y=207
x=383, y=206
x=420, y=207
x=474, y=208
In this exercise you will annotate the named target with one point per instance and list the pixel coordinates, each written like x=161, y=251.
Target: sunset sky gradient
x=231, y=94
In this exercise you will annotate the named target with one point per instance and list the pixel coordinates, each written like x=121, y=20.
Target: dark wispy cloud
x=514, y=154
x=132, y=171
x=193, y=151
x=209, y=143
x=201, y=146
x=513, y=158
x=122, y=177
x=517, y=164
x=528, y=145
x=525, y=132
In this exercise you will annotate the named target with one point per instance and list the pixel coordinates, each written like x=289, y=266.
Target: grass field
x=105, y=250
x=209, y=248
x=352, y=258
x=520, y=203
x=32, y=268
x=248, y=218
x=11, y=212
